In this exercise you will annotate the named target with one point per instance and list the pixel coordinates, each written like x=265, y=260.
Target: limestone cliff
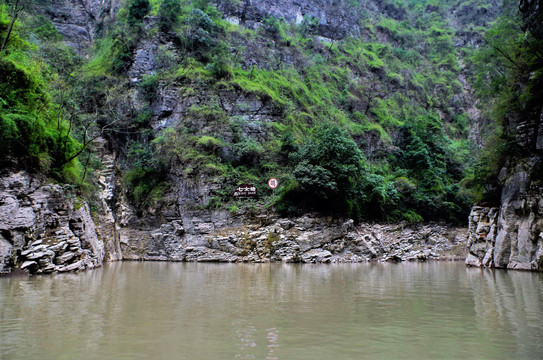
x=511, y=234
x=219, y=236
x=44, y=230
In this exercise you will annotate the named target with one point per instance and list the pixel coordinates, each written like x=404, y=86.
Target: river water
x=273, y=311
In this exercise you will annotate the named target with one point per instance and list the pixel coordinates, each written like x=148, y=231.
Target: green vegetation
x=330, y=168
x=372, y=127
x=35, y=131
x=509, y=80
x=137, y=9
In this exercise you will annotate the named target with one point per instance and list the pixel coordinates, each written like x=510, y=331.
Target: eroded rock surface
x=43, y=229
x=510, y=236
x=307, y=239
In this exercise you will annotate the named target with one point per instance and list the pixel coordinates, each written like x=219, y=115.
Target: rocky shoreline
x=45, y=230
x=306, y=239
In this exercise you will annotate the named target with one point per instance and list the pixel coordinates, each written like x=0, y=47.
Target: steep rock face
x=176, y=104
x=74, y=19
x=482, y=235
x=510, y=236
x=519, y=241
x=175, y=230
x=44, y=230
x=336, y=19
x=220, y=236
x=339, y=19
x=79, y=20
x=106, y=217
x=515, y=240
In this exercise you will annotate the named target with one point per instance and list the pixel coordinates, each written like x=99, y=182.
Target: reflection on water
x=511, y=300
x=273, y=311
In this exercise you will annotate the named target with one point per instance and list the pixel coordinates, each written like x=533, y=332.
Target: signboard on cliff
x=245, y=191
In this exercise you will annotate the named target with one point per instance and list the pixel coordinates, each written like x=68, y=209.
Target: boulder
x=64, y=258
x=30, y=265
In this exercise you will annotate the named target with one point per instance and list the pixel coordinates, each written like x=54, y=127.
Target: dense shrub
x=329, y=169
x=169, y=13
x=137, y=10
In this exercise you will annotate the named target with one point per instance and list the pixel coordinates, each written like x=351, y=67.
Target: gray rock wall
x=74, y=19
x=43, y=229
x=482, y=235
x=223, y=237
x=337, y=19
x=510, y=236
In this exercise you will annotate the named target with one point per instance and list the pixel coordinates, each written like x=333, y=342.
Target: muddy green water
x=273, y=311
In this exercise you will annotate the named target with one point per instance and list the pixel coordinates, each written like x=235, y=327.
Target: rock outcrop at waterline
x=43, y=229
x=509, y=236
x=306, y=239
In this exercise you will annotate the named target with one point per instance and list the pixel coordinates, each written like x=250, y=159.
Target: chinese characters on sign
x=245, y=191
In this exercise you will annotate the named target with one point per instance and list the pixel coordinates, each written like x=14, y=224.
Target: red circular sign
x=273, y=183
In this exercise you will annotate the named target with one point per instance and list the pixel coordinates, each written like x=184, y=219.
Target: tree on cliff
x=16, y=8
x=137, y=10
x=330, y=168
x=169, y=13
x=510, y=79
